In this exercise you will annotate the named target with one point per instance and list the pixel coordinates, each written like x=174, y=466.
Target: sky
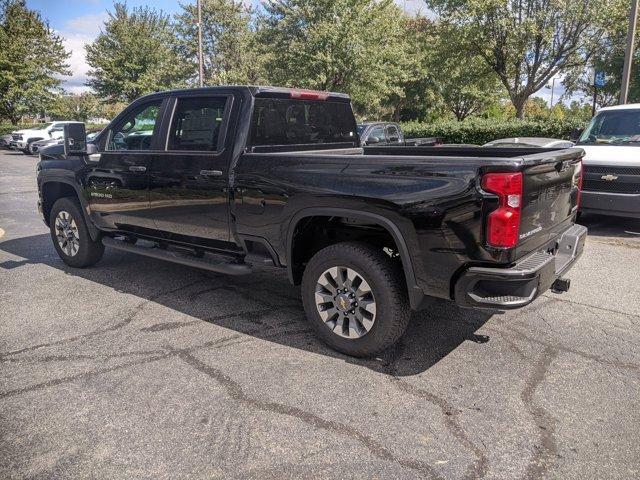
x=79, y=22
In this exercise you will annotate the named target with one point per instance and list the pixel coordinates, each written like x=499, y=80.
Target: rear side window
x=279, y=121
x=196, y=124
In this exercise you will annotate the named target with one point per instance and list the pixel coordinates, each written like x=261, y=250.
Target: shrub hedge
x=479, y=130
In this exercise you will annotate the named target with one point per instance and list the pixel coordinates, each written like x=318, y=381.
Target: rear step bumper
x=179, y=257
x=515, y=287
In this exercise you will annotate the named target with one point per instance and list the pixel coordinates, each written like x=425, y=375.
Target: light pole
x=628, y=54
x=553, y=86
x=200, y=64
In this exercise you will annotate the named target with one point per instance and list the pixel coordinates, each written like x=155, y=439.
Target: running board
x=179, y=257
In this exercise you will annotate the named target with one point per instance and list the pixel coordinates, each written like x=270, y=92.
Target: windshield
x=279, y=121
x=613, y=127
x=361, y=128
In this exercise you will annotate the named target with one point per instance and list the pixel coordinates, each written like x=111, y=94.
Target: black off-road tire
x=387, y=283
x=89, y=251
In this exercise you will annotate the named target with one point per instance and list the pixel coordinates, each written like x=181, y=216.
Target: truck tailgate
x=550, y=196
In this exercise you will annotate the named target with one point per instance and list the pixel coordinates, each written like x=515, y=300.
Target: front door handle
x=137, y=168
x=211, y=173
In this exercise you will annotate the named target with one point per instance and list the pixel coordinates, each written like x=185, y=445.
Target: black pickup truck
x=231, y=178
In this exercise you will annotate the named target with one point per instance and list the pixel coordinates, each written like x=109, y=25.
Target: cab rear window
x=279, y=121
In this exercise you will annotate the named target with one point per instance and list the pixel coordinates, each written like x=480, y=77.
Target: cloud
x=77, y=32
x=86, y=24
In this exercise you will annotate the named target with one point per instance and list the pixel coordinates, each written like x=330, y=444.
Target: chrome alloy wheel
x=345, y=302
x=67, y=233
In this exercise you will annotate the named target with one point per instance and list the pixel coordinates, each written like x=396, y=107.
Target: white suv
x=22, y=139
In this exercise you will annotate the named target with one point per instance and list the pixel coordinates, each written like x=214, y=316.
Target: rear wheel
x=70, y=235
x=355, y=298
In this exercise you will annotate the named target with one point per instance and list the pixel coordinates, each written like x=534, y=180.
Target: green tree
x=228, y=42
x=352, y=46
x=31, y=59
x=79, y=107
x=609, y=60
x=135, y=54
x=527, y=42
x=465, y=84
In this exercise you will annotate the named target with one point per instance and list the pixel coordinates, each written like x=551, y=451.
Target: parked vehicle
x=611, y=143
x=38, y=145
x=541, y=142
x=22, y=139
x=234, y=177
x=388, y=133
x=5, y=141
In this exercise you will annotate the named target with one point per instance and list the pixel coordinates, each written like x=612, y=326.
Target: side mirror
x=75, y=139
x=575, y=135
x=373, y=140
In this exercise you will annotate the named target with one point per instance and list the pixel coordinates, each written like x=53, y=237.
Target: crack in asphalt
x=477, y=469
x=235, y=391
x=546, y=452
x=563, y=348
x=125, y=321
x=573, y=302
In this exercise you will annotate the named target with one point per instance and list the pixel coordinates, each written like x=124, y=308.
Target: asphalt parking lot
x=138, y=368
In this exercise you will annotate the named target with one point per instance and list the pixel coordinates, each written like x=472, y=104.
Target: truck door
x=189, y=180
x=117, y=179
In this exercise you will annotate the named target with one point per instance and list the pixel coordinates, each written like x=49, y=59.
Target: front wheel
x=70, y=234
x=355, y=297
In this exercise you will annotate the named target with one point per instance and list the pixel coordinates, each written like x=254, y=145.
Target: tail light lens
x=503, y=224
x=577, y=181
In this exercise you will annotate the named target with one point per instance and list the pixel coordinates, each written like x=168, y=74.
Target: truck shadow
x=273, y=308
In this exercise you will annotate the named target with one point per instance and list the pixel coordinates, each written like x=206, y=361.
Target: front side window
x=196, y=124
x=135, y=131
x=279, y=121
x=614, y=126
x=377, y=132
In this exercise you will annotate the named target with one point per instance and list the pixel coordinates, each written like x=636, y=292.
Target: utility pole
x=628, y=54
x=200, y=63
x=553, y=86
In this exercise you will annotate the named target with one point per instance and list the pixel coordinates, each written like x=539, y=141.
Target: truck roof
x=261, y=91
x=627, y=106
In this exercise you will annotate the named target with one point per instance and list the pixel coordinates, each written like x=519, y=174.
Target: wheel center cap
x=343, y=302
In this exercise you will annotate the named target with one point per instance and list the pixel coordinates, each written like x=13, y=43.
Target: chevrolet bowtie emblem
x=343, y=303
x=609, y=177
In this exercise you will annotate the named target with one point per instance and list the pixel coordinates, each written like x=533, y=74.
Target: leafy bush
x=8, y=128
x=479, y=130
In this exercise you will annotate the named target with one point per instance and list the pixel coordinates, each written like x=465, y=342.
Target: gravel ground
x=140, y=368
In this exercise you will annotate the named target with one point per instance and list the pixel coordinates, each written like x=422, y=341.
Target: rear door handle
x=211, y=173
x=137, y=168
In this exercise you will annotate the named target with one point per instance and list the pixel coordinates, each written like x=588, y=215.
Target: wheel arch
x=56, y=188
x=415, y=293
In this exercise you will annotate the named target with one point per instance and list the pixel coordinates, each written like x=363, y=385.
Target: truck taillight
x=577, y=181
x=503, y=224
